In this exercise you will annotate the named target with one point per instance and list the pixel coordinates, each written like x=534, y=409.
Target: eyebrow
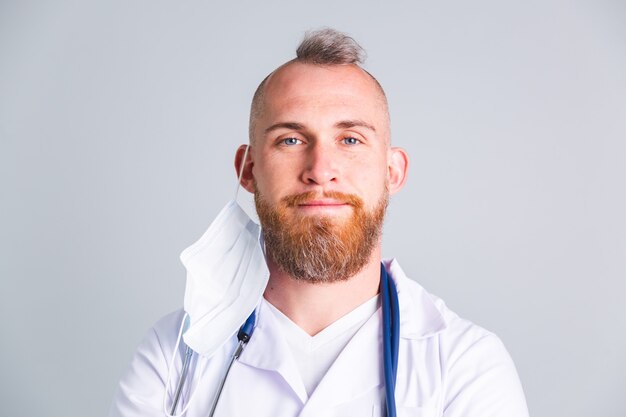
x=347, y=124
x=285, y=125
x=344, y=124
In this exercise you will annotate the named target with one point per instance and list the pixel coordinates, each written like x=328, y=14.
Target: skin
x=322, y=128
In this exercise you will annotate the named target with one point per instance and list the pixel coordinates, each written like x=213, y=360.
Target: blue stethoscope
x=391, y=340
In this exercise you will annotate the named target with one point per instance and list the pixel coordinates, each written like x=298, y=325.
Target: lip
x=323, y=203
x=323, y=207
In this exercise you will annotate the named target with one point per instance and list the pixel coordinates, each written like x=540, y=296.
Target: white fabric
x=314, y=355
x=226, y=277
x=447, y=367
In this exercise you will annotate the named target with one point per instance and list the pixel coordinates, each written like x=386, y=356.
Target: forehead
x=297, y=86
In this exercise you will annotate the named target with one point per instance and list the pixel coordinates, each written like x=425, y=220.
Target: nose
x=321, y=166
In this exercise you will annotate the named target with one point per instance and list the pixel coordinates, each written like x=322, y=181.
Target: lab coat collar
x=268, y=349
x=419, y=315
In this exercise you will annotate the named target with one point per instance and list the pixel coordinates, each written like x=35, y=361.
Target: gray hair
x=329, y=47
x=319, y=47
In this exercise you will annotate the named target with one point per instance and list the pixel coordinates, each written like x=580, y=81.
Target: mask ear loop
x=183, y=326
x=243, y=164
x=170, y=366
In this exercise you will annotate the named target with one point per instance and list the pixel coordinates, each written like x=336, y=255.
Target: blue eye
x=351, y=141
x=291, y=141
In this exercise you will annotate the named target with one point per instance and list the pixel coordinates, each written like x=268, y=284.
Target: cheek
x=372, y=180
x=370, y=167
x=272, y=178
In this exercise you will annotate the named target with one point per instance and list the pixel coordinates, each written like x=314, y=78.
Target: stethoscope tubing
x=183, y=377
x=391, y=323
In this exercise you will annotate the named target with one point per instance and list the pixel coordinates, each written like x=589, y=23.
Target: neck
x=315, y=306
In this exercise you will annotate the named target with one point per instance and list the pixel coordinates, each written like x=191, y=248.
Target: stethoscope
x=391, y=340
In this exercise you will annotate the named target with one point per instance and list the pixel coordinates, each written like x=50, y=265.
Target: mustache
x=303, y=198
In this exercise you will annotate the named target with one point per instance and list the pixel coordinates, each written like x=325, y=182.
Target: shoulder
x=160, y=339
x=426, y=315
x=167, y=327
x=477, y=374
x=157, y=346
x=457, y=337
x=461, y=335
x=141, y=388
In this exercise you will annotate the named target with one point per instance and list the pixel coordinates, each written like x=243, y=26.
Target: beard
x=320, y=249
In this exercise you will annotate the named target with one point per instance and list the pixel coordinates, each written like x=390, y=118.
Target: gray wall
x=119, y=121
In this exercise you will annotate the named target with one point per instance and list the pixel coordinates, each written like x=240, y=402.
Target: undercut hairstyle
x=329, y=47
x=320, y=47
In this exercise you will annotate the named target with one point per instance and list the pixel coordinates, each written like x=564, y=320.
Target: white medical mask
x=226, y=277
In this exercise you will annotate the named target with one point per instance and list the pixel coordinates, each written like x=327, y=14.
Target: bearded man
x=321, y=167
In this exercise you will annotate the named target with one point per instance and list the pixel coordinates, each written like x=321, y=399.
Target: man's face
x=322, y=128
x=321, y=160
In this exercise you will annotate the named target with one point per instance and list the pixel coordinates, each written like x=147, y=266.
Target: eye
x=290, y=141
x=351, y=141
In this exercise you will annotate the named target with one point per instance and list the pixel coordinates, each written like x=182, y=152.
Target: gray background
x=118, y=125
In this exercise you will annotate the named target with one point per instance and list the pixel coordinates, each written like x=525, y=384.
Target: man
x=321, y=168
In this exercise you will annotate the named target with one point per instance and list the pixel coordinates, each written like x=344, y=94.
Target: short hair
x=320, y=47
x=329, y=47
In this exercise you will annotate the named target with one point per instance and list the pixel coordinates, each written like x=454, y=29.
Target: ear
x=398, y=165
x=244, y=168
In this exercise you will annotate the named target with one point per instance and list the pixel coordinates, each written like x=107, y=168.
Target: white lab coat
x=447, y=367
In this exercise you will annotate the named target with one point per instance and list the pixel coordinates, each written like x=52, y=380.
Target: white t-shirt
x=314, y=355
